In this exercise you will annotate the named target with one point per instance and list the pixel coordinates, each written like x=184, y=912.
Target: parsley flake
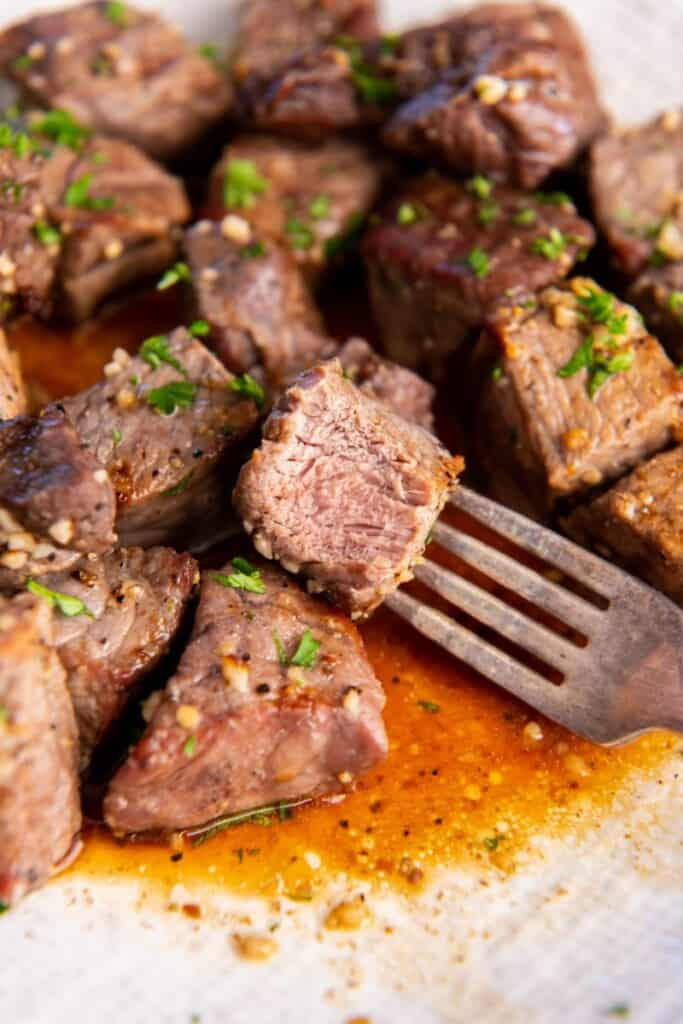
x=479, y=186
x=242, y=184
x=190, y=746
x=247, y=387
x=77, y=194
x=320, y=207
x=245, y=577
x=46, y=234
x=67, y=604
x=117, y=13
x=675, y=304
x=116, y=437
x=178, y=394
x=299, y=234
x=370, y=86
x=599, y=306
x=180, y=487
x=199, y=329
x=497, y=373
x=156, y=351
x=258, y=815
x=554, y=198
x=60, y=126
x=429, y=706
x=551, y=247
x=487, y=213
x=211, y=53
x=493, y=842
x=525, y=217
x=253, y=250
x=307, y=651
x=406, y=214
x=178, y=272
x=478, y=262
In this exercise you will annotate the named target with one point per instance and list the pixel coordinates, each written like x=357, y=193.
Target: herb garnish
x=246, y=577
x=370, y=86
x=554, y=198
x=497, y=373
x=479, y=186
x=493, y=842
x=116, y=436
x=487, y=213
x=77, y=195
x=199, y=329
x=299, y=234
x=525, y=217
x=178, y=272
x=600, y=359
x=178, y=394
x=259, y=816
x=18, y=141
x=62, y=128
x=305, y=655
x=388, y=44
x=67, y=604
x=320, y=206
x=406, y=214
x=180, y=487
x=23, y=63
x=428, y=705
x=478, y=261
x=253, y=250
x=117, y=13
x=247, y=387
x=552, y=247
x=675, y=304
x=211, y=53
x=242, y=184
x=156, y=351
x=190, y=746
x=599, y=306
x=46, y=233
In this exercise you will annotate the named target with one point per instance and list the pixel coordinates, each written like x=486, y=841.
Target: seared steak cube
x=125, y=611
x=273, y=700
x=446, y=253
x=579, y=394
x=636, y=183
x=250, y=292
x=40, y=813
x=658, y=294
x=312, y=198
x=119, y=70
x=12, y=393
x=402, y=390
x=56, y=500
x=638, y=523
x=519, y=103
x=164, y=424
x=343, y=490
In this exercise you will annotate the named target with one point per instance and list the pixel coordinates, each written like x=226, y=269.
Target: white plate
x=587, y=924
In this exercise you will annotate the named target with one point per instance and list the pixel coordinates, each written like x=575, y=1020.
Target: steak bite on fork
x=166, y=424
x=13, y=400
x=343, y=490
x=274, y=699
x=40, y=812
x=56, y=499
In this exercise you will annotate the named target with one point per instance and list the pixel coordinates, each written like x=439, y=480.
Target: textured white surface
x=585, y=925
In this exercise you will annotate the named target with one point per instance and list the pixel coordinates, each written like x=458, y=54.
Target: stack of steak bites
x=435, y=155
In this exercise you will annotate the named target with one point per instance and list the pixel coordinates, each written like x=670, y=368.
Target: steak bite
x=164, y=424
x=40, y=814
x=446, y=253
x=311, y=198
x=638, y=523
x=126, y=609
x=119, y=70
x=658, y=294
x=56, y=500
x=274, y=699
x=519, y=102
x=636, y=184
x=252, y=295
x=343, y=490
x=403, y=391
x=579, y=394
x=12, y=394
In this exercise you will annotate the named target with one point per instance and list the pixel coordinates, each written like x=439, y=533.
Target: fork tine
x=491, y=662
x=554, y=650
x=561, y=603
x=539, y=541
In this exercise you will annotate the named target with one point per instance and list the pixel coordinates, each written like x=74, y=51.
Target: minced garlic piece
x=490, y=89
x=187, y=716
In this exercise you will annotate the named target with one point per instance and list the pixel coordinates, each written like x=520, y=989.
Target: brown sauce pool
x=472, y=774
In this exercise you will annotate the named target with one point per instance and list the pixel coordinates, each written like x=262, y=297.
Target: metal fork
x=628, y=677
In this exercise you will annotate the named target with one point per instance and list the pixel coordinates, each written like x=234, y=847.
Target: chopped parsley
x=18, y=141
x=479, y=186
x=178, y=394
x=320, y=206
x=190, y=746
x=307, y=651
x=259, y=816
x=554, y=198
x=12, y=189
x=178, y=272
x=370, y=86
x=46, y=233
x=247, y=387
x=60, y=126
x=525, y=217
x=407, y=214
x=599, y=366
x=487, y=213
x=478, y=262
x=429, y=706
x=77, y=194
x=199, y=329
x=67, y=604
x=298, y=233
x=242, y=184
x=599, y=306
x=493, y=842
x=117, y=13
x=99, y=159
x=497, y=373
x=156, y=351
x=23, y=63
x=253, y=250
x=211, y=53
x=552, y=246
x=675, y=304
x=180, y=487
x=346, y=239
x=388, y=44
x=246, y=577
x=117, y=437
